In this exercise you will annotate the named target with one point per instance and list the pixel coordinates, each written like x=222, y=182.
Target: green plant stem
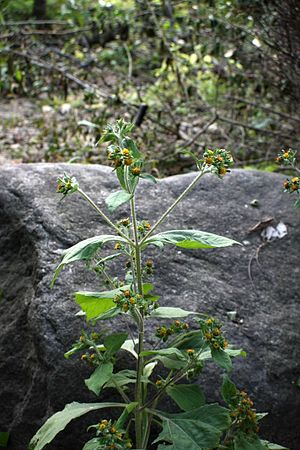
x=168, y=211
x=140, y=362
x=121, y=392
x=101, y=213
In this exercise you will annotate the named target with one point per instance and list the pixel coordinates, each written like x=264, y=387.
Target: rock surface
x=38, y=324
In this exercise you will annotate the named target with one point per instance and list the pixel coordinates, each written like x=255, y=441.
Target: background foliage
x=211, y=73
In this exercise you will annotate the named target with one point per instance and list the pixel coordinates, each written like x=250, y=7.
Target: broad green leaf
x=148, y=369
x=191, y=239
x=192, y=339
x=113, y=312
x=117, y=199
x=99, y=377
x=60, y=420
x=114, y=342
x=4, y=436
x=171, y=358
x=229, y=391
x=196, y=429
x=171, y=363
x=149, y=177
x=165, y=312
x=121, y=378
x=93, y=444
x=221, y=358
x=121, y=177
x=271, y=446
x=173, y=353
x=95, y=303
x=84, y=250
x=129, y=346
x=187, y=396
x=123, y=417
x=244, y=441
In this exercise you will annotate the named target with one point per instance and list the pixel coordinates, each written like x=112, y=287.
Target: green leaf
x=93, y=444
x=60, y=420
x=149, y=177
x=113, y=312
x=148, y=369
x=120, y=171
x=229, y=391
x=114, y=342
x=87, y=123
x=130, y=144
x=221, y=358
x=244, y=441
x=123, y=417
x=191, y=239
x=196, y=429
x=84, y=250
x=187, y=396
x=271, y=446
x=121, y=378
x=4, y=436
x=173, y=353
x=117, y=199
x=99, y=377
x=169, y=312
x=129, y=346
x=95, y=303
x=171, y=358
x=192, y=339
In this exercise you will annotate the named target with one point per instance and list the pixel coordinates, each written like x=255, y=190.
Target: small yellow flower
x=190, y=351
x=223, y=170
x=209, y=321
x=286, y=154
x=208, y=336
x=128, y=161
x=117, y=246
x=295, y=180
x=82, y=338
x=127, y=293
x=113, y=430
x=132, y=300
x=208, y=161
x=225, y=344
x=125, y=151
x=158, y=382
x=136, y=171
x=92, y=356
x=102, y=426
x=83, y=357
x=286, y=184
x=216, y=345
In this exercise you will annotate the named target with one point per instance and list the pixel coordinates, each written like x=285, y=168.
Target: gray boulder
x=38, y=324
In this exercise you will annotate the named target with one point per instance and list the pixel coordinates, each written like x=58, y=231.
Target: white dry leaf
x=270, y=232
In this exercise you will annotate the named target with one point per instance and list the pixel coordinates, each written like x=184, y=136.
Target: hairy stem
x=139, y=426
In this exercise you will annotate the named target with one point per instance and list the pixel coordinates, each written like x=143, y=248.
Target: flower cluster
x=292, y=185
x=66, y=185
x=243, y=414
x=121, y=157
x=143, y=227
x=212, y=333
x=220, y=160
x=149, y=266
x=286, y=157
x=129, y=300
x=109, y=437
x=165, y=332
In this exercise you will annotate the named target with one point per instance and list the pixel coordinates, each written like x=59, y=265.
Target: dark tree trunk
x=39, y=10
